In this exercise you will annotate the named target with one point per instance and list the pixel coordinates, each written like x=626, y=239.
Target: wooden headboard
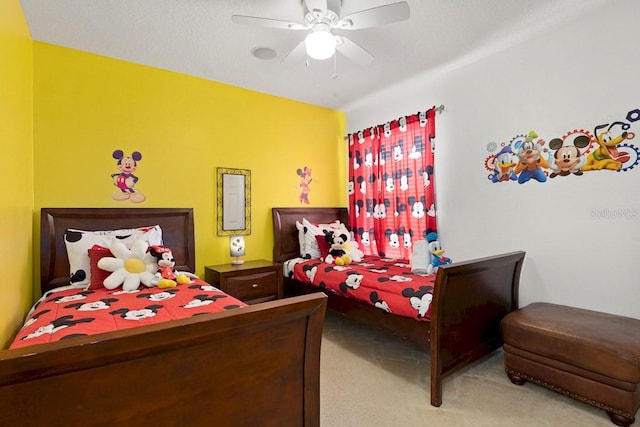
x=285, y=245
x=176, y=224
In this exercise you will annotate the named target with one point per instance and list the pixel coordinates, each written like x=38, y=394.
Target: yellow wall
x=86, y=106
x=16, y=173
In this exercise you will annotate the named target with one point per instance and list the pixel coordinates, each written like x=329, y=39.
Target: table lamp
x=236, y=248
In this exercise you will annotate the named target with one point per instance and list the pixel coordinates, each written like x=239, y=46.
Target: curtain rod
x=439, y=109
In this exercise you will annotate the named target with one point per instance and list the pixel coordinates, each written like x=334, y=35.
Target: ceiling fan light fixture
x=320, y=44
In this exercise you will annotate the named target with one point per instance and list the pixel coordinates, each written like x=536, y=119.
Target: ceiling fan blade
x=297, y=54
x=320, y=5
x=375, y=16
x=268, y=22
x=353, y=51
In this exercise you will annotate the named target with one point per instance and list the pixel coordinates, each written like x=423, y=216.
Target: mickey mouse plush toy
x=166, y=276
x=337, y=253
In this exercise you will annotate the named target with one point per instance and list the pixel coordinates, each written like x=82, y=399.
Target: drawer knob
x=255, y=285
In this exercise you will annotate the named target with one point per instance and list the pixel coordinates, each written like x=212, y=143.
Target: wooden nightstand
x=252, y=282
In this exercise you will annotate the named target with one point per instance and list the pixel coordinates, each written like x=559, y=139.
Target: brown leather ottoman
x=591, y=356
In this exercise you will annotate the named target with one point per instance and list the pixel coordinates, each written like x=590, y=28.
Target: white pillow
x=301, y=239
x=78, y=243
x=311, y=248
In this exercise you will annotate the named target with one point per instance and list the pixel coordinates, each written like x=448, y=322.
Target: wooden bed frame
x=469, y=301
x=257, y=365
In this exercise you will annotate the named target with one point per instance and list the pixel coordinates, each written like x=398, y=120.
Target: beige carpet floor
x=370, y=378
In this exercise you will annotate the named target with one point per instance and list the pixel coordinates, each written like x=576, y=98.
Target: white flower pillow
x=78, y=243
x=311, y=248
x=128, y=267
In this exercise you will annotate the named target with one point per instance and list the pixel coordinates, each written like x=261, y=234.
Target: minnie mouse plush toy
x=166, y=276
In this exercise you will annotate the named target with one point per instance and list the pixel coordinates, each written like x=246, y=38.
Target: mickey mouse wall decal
x=125, y=180
x=567, y=159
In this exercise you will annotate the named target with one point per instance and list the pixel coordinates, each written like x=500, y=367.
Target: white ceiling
x=197, y=37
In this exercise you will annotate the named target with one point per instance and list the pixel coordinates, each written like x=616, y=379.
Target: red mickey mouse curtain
x=391, y=189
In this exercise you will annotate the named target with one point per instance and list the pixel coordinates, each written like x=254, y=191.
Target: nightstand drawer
x=252, y=286
x=252, y=282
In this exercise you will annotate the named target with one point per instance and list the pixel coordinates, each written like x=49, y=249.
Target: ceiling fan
x=320, y=17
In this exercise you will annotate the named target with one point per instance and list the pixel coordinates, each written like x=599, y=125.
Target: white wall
x=572, y=76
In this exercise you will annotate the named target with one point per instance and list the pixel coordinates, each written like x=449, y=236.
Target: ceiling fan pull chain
x=335, y=66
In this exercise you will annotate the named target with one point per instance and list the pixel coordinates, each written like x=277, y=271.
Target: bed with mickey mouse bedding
x=125, y=333
x=454, y=313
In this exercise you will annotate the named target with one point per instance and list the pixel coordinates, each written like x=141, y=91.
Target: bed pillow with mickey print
x=78, y=243
x=301, y=239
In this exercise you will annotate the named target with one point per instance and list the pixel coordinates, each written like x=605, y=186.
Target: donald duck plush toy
x=435, y=252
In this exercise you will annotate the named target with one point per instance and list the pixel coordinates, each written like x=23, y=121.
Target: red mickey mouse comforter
x=382, y=282
x=66, y=313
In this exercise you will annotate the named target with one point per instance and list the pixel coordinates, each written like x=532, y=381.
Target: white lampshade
x=320, y=44
x=236, y=248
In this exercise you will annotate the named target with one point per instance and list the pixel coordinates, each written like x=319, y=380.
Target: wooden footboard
x=470, y=299
x=253, y=366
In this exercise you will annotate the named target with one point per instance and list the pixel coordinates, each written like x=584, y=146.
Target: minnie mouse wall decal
x=305, y=181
